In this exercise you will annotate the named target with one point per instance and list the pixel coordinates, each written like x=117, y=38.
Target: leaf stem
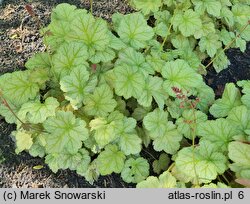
x=6, y=104
x=228, y=45
x=166, y=37
x=91, y=6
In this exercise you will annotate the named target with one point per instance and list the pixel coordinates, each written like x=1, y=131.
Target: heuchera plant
x=102, y=92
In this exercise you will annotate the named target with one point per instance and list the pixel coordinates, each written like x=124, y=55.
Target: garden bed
x=20, y=39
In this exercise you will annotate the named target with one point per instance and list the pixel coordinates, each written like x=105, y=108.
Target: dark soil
x=19, y=40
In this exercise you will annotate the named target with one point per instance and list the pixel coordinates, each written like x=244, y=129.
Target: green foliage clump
x=102, y=92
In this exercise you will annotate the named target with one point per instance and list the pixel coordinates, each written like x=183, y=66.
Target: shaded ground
x=19, y=40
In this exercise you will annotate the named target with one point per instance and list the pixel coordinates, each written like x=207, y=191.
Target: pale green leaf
x=221, y=62
x=245, y=84
x=219, y=132
x=77, y=85
x=110, y=160
x=228, y=16
x=155, y=122
x=134, y=31
x=210, y=44
x=17, y=88
x=231, y=98
x=188, y=123
x=129, y=142
x=104, y=132
x=240, y=43
x=170, y=141
x=153, y=89
x=147, y=6
x=63, y=12
x=39, y=60
x=7, y=114
x=134, y=59
x=65, y=133
x=78, y=161
x=90, y=31
x=213, y=7
x=239, y=153
x=37, y=112
x=135, y=170
x=101, y=102
x=239, y=117
x=202, y=164
x=128, y=81
x=103, y=56
x=187, y=22
x=241, y=13
x=179, y=74
x=69, y=56
x=165, y=180
x=24, y=141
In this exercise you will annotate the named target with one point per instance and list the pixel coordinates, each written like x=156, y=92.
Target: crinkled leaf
x=77, y=85
x=134, y=31
x=188, y=123
x=170, y=141
x=153, y=89
x=210, y=44
x=213, y=7
x=239, y=153
x=7, y=114
x=104, y=132
x=187, y=22
x=103, y=56
x=165, y=180
x=68, y=57
x=92, y=32
x=24, y=141
x=231, y=97
x=245, y=84
x=65, y=133
x=135, y=170
x=37, y=112
x=221, y=62
x=110, y=160
x=147, y=6
x=241, y=13
x=179, y=74
x=240, y=43
x=17, y=88
x=134, y=59
x=129, y=142
x=128, y=81
x=77, y=161
x=63, y=12
x=155, y=122
x=202, y=164
x=206, y=29
x=206, y=97
x=219, y=132
x=239, y=117
x=155, y=61
x=39, y=60
x=227, y=16
x=101, y=102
